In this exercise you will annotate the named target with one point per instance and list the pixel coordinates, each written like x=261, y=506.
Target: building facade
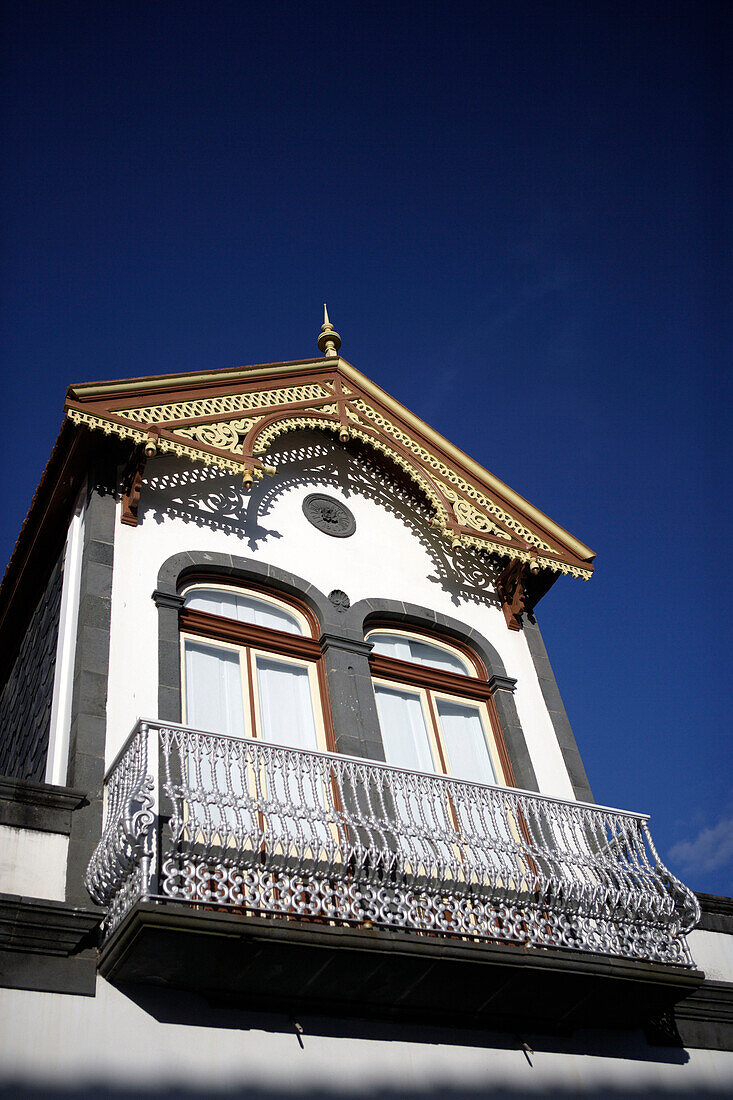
x=290, y=802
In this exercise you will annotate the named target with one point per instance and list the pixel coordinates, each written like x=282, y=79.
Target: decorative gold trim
x=573, y=544
x=233, y=403
x=263, y=441
x=466, y=515
x=432, y=460
x=165, y=446
x=223, y=433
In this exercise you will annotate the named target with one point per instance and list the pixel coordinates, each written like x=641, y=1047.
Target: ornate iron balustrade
x=210, y=820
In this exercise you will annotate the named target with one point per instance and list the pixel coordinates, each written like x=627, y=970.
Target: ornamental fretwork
x=234, y=427
x=265, y=829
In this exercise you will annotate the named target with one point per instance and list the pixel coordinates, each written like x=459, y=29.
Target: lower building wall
x=713, y=953
x=153, y=1042
x=33, y=863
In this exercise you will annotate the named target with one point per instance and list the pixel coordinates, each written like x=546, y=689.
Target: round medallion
x=329, y=515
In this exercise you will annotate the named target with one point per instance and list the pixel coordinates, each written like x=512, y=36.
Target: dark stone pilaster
x=353, y=706
x=556, y=709
x=91, y=671
x=502, y=692
x=169, y=656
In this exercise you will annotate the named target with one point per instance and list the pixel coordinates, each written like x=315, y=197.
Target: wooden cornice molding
x=230, y=419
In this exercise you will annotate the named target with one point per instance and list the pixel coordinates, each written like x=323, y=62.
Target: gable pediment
x=230, y=420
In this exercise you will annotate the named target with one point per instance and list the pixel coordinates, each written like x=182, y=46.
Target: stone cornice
x=42, y=806
x=45, y=927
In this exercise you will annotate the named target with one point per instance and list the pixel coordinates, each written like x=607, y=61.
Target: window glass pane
x=391, y=645
x=404, y=734
x=286, y=705
x=465, y=742
x=244, y=608
x=213, y=689
x=422, y=653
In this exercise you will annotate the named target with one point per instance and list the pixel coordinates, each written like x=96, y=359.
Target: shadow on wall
x=188, y=1009
x=524, y=1088
x=308, y=460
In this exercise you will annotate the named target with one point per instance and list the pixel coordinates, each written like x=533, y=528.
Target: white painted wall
x=713, y=953
x=110, y=1042
x=32, y=863
x=186, y=508
x=57, y=761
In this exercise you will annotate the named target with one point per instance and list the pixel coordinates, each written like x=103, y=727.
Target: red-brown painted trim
x=132, y=398
x=203, y=576
x=452, y=683
x=390, y=668
x=332, y=378
x=388, y=626
x=328, y=725
x=437, y=733
x=205, y=625
x=251, y=691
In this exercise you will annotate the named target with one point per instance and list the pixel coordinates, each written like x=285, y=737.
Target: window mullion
x=250, y=693
x=437, y=732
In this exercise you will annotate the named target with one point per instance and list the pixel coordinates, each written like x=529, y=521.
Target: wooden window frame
x=434, y=681
x=252, y=640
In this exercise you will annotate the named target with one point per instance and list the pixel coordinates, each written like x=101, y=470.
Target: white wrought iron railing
x=210, y=820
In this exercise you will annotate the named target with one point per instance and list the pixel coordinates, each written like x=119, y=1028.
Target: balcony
x=290, y=878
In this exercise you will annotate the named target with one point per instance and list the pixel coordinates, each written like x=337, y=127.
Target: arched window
x=435, y=708
x=251, y=667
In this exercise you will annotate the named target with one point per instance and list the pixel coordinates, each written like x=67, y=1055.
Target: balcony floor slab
x=292, y=965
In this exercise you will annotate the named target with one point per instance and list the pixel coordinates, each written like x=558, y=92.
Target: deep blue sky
x=517, y=215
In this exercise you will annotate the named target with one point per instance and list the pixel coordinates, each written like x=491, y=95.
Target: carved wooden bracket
x=132, y=483
x=511, y=592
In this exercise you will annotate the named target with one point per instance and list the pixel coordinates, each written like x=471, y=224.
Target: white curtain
x=245, y=609
x=465, y=742
x=286, y=705
x=213, y=689
x=404, y=732
x=421, y=653
x=286, y=717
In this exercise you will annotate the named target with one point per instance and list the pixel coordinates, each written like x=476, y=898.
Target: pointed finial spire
x=329, y=340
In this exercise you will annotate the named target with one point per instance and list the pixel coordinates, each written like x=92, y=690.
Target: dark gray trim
x=164, y=599
x=502, y=686
x=41, y=806
x=558, y=715
x=329, y=515
x=502, y=683
x=173, y=573
x=328, y=640
x=705, y=1018
x=717, y=913
x=46, y=927
x=351, y=970
x=353, y=708
x=91, y=672
x=48, y=946
x=351, y=695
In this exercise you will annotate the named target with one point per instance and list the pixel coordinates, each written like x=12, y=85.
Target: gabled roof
x=229, y=419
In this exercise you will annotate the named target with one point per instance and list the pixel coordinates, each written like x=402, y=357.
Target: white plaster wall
x=110, y=1043
x=32, y=863
x=383, y=559
x=713, y=953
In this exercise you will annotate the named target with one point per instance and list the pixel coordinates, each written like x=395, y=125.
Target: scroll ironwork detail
x=296, y=834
